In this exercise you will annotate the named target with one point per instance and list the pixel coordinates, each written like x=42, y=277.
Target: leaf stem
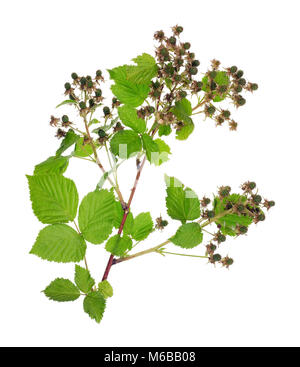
x=176, y=253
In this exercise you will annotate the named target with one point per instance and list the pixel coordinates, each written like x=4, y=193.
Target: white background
x=158, y=301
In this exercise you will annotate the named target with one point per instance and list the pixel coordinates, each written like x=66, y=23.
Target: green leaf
x=52, y=166
x=164, y=130
x=83, y=279
x=188, y=235
x=67, y=142
x=96, y=216
x=59, y=243
x=54, y=198
x=183, y=110
x=67, y=101
x=164, y=151
x=94, y=305
x=118, y=245
x=169, y=83
x=82, y=149
x=105, y=289
x=182, y=204
x=129, y=117
x=145, y=70
x=127, y=91
x=151, y=148
x=62, y=290
x=222, y=78
x=142, y=226
x=125, y=143
x=185, y=131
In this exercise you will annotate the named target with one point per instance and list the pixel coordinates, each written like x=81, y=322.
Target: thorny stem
x=126, y=211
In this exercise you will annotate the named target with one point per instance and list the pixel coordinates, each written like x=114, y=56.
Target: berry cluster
x=232, y=214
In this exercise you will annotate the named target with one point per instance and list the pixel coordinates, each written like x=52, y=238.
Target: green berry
x=217, y=257
x=90, y=84
x=261, y=217
x=254, y=86
x=252, y=185
x=106, y=111
x=238, y=89
x=82, y=105
x=223, y=88
x=156, y=84
x=229, y=261
x=213, y=85
x=179, y=29
x=156, y=93
x=193, y=70
x=88, y=77
x=172, y=40
x=67, y=86
x=186, y=45
x=151, y=109
x=91, y=102
x=65, y=118
x=257, y=199
x=199, y=85
x=241, y=101
x=83, y=81
x=226, y=114
x=239, y=73
x=213, y=74
x=242, y=81
x=271, y=203
x=195, y=63
x=164, y=223
x=183, y=94
x=74, y=76
x=233, y=69
x=177, y=78
x=191, y=55
x=243, y=229
x=222, y=238
x=211, y=110
x=240, y=208
x=98, y=93
x=101, y=133
x=98, y=73
x=164, y=52
x=210, y=214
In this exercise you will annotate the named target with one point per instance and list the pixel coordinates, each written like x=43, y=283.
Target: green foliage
x=97, y=213
x=164, y=130
x=105, y=289
x=94, y=305
x=70, y=139
x=62, y=290
x=125, y=144
x=118, y=245
x=83, y=279
x=188, y=235
x=164, y=151
x=128, y=116
x=54, y=198
x=55, y=165
x=67, y=101
x=59, y=243
x=82, y=149
x=142, y=226
x=183, y=111
x=145, y=70
x=182, y=203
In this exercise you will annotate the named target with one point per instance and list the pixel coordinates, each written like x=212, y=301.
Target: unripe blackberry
x=156, y=93
x=156, y=84
x=67, y=86
x=211, y=109
x=169, y=69
x=186, y=45
x=106, y=111
x=233, y=69
x=182, y=94
x=172, y=40
x=195, y=63
x=181, y=51
x=98, y=92
x=242, y=81
x=177, y=78
x=210, y=214
x=261, y=217
x=271, y=203
x=82, y=105
x=224, y=191
x=240, y=208
x=98, y=73
x=90, y=84
x=238, y=89
x=222, y=238
x=179, y=29
x=216, y=257
x=65, y=118
x=252, y=185
x=257, y=199
x=254, y=86
x=241, y=101
x=193, y=70
x=213, y=85
x=242, y=229
x=151, y=109
x=223, y=88
x=164, y=223
x=239, y=74
x=88, y=77
x=91, y=102
x=74, y=76
x=101, y=133
x=226, y=114
x=164, y=52
x=83, y=81
x=199, y=85
x=191, y=55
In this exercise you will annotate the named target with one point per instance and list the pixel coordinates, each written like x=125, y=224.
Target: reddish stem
x=126, y=211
